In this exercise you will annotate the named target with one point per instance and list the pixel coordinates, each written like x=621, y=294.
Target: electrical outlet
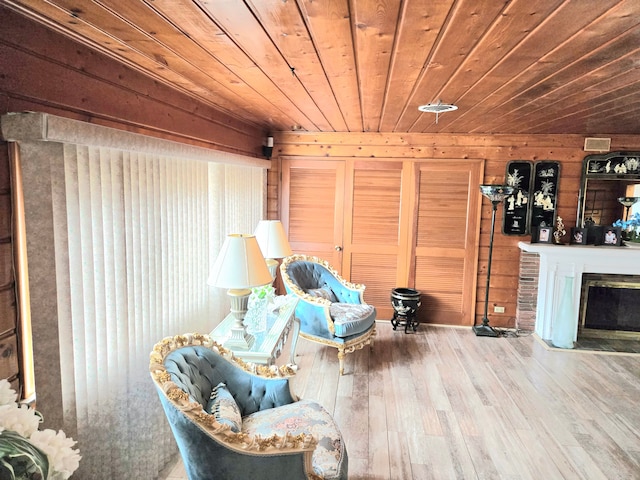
x=497, y=309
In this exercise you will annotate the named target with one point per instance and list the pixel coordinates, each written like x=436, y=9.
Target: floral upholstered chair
x=234, y=420
x=331, y=310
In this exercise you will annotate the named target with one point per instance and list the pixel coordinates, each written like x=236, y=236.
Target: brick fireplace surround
x=527, y=291
x=541, y=278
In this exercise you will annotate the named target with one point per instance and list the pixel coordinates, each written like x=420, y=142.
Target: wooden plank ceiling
x=521, y=66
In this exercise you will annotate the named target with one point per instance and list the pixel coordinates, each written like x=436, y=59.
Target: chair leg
x=341, y=359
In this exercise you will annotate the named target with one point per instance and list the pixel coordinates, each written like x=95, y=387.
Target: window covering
x=119, y=246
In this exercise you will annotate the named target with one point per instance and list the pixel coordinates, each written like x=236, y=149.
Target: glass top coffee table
x=268, y=344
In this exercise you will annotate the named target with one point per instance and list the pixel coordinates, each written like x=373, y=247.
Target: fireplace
x=610, y=302
x=557, y=262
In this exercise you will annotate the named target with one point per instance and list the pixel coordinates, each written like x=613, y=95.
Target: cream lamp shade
x=240, y=264
x=239, y=267
x=273, y=242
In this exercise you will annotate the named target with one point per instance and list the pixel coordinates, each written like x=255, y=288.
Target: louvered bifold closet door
x=313, y=207
x=446, y=239
x=375, y=247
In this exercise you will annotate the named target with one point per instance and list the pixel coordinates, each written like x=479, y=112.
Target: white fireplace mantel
x=560, y=261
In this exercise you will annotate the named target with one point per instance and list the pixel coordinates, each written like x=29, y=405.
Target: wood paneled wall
x=43, y=71
x=497, y=150
x=47, y=72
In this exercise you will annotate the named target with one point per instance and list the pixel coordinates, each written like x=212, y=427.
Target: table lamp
x=239, y=267
x=273, y=243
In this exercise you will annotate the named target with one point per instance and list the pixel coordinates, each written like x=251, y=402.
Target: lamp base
x=239, y=339
x=485, y=331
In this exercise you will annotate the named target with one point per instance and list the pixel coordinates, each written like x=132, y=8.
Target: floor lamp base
x=485, y=331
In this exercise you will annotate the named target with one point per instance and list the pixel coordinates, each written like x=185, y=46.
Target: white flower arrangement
x=27, y=453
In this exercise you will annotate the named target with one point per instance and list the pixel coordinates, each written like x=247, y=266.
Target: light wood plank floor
x=445, y=404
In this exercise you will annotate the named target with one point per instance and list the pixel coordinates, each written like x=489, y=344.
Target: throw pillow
x=324, y=292
x=224, y=408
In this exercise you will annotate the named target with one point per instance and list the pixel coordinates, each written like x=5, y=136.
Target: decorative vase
x=256, y=318
x=259, y=305
x=563, y=328
x=20, y=459
x=405, y=301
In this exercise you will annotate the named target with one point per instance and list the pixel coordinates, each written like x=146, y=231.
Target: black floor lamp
x=627, y=202
x=496, y=194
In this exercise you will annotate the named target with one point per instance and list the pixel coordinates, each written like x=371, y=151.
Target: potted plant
x=630, y=229
x=27, y=453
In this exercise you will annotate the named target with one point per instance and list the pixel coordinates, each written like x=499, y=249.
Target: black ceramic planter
x=405, y=302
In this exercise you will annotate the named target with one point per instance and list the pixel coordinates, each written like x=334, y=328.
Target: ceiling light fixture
x=437, y=108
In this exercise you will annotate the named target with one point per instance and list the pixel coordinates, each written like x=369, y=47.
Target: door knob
x=338, y=248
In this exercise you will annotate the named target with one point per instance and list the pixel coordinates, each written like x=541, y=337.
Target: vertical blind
x=136, y=234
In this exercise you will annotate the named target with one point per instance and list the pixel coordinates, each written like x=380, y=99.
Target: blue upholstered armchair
x=331, y=310
x=235, y=420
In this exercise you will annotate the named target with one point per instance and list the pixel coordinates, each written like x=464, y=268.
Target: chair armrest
x=315, y=317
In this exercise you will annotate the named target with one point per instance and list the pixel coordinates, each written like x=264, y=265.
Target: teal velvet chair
x=331, y=310
x=234, y=420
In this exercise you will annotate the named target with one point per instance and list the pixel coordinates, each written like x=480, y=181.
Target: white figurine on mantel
x=559, y=232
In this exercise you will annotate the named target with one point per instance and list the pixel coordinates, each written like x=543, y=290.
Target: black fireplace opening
x=611, y=302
